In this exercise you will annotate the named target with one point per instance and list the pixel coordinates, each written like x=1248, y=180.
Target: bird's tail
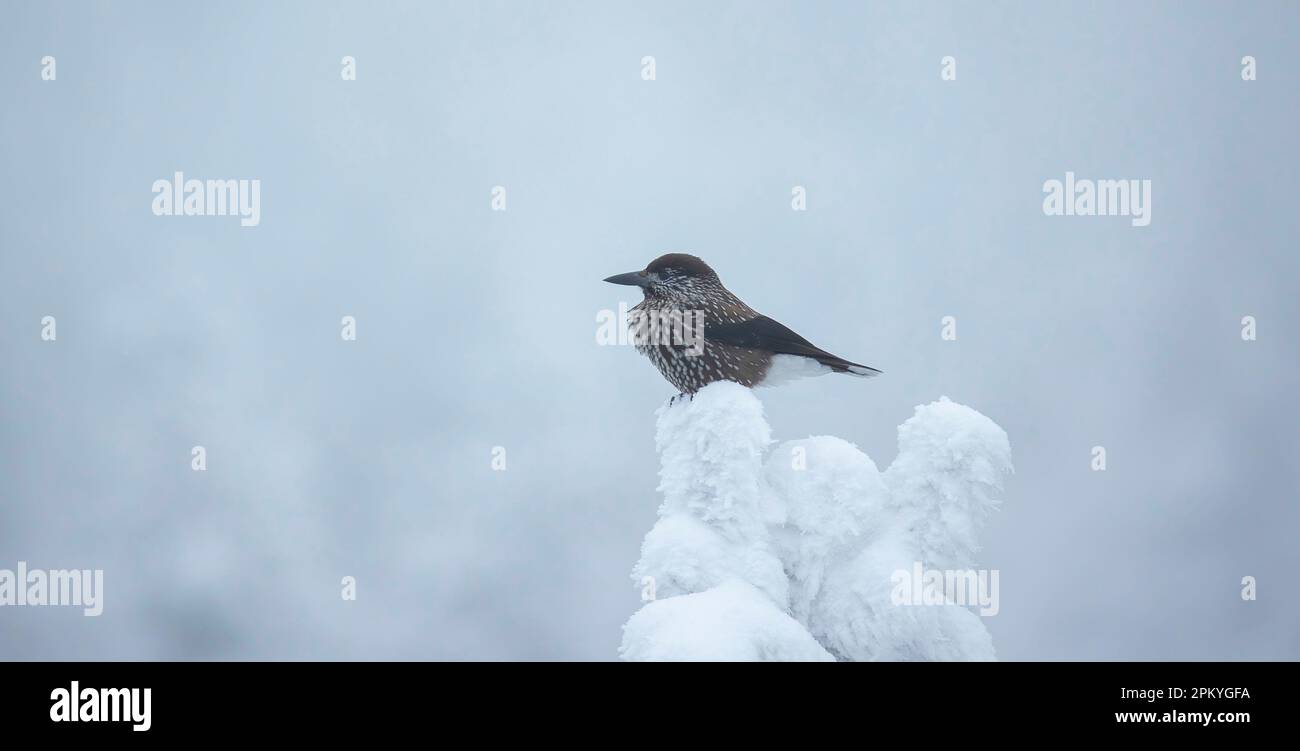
x=840, y=365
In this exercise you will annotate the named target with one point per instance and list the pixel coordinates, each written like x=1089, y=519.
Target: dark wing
x=764, y=333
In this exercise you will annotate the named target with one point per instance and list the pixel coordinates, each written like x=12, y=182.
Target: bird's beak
x=631, y=278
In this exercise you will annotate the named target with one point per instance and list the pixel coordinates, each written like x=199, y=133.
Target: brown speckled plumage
x=738, y=344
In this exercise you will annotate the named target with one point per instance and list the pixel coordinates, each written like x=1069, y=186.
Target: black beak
x=631, y=278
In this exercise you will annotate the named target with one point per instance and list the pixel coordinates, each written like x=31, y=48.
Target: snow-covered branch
x=798, y=551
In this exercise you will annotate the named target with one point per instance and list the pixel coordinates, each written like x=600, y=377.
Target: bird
x=696, y=331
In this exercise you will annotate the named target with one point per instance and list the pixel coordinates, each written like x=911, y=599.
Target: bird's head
x=675, y=276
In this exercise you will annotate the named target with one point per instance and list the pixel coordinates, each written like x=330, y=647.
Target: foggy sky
x=477, y=328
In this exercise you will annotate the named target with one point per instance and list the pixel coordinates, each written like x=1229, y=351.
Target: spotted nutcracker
x=683, y=299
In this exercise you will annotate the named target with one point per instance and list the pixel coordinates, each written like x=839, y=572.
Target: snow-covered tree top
x=805, y=550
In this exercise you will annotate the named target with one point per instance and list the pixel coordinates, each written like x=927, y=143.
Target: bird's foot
x=680, y=397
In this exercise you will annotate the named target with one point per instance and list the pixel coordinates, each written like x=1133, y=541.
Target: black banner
x=59, y=701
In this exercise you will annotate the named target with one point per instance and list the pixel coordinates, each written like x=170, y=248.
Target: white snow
x=787, y=552
x=732, y=621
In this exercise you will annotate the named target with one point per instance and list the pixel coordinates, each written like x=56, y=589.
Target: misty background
x=476, y=328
